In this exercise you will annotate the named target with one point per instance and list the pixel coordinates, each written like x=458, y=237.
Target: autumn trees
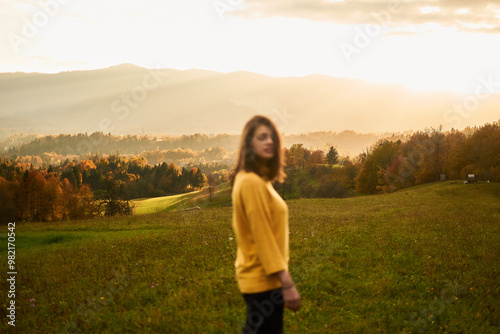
x=104, y=185
x=421, y=157
x=372, y=173
x=8, y=209
x=96, y=186
x=312, y=174
x=425, y=155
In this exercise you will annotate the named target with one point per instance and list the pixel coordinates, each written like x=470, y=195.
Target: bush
x=332, y=188
x=307, y=190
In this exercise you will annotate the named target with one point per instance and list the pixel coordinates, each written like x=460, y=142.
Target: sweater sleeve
x=256, y=199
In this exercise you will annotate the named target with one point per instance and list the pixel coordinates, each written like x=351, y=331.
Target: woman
x=260, y=222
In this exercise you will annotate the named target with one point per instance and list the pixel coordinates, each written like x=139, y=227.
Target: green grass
x=221, y=197
x=421, y=260
x=157, y=204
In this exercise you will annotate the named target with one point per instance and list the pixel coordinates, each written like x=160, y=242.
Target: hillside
x=419, y=260
x=222, y=196
x=128, y=99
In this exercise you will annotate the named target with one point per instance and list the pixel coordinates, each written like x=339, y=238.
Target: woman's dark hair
x=247, y=159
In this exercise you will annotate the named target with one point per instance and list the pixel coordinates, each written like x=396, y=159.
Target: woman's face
x=262, y=142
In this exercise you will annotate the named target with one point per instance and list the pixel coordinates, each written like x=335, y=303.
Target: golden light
x=429, y=10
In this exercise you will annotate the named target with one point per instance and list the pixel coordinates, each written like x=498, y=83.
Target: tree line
x=104, y=185
x=98, y=142
x=97, y=186
x=389, y=165
x=312, y=173
x=193, y=147
x=427, y=155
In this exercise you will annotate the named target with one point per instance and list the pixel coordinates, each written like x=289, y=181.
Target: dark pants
x=264, y=312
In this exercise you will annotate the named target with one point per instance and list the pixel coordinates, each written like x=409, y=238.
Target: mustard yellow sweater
x=260, y=222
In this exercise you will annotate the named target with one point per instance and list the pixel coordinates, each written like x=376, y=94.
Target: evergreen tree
x=332, y=156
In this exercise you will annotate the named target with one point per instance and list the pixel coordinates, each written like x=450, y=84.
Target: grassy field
x=221, y=197
x=421, y=260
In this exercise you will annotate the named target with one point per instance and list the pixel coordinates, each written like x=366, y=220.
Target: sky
x=427, y=45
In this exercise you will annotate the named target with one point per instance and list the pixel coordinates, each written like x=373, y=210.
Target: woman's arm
x=290, y=293
x=256, y=199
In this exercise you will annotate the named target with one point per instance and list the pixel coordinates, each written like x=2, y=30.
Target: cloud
x=480, y=16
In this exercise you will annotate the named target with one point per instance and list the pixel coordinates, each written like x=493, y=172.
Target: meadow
x=199, y=198
x=420, y=260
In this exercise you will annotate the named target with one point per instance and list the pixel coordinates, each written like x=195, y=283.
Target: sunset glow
x=407, y=45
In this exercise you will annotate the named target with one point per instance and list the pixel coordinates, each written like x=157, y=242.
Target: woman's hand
x=292, y=298
x=290, y=293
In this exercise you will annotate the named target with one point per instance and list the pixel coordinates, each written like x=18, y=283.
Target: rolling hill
x=424, y=259
x=128, y=99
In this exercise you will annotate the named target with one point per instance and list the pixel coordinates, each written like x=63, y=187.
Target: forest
x=88, y=188
x=389, y=165
x=52, y=149
x=102, y=184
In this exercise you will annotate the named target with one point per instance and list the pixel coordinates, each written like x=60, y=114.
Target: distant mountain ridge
x=127, y=99
x=348, y=143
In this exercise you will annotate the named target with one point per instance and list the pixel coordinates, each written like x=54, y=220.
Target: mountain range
x=128, y=99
